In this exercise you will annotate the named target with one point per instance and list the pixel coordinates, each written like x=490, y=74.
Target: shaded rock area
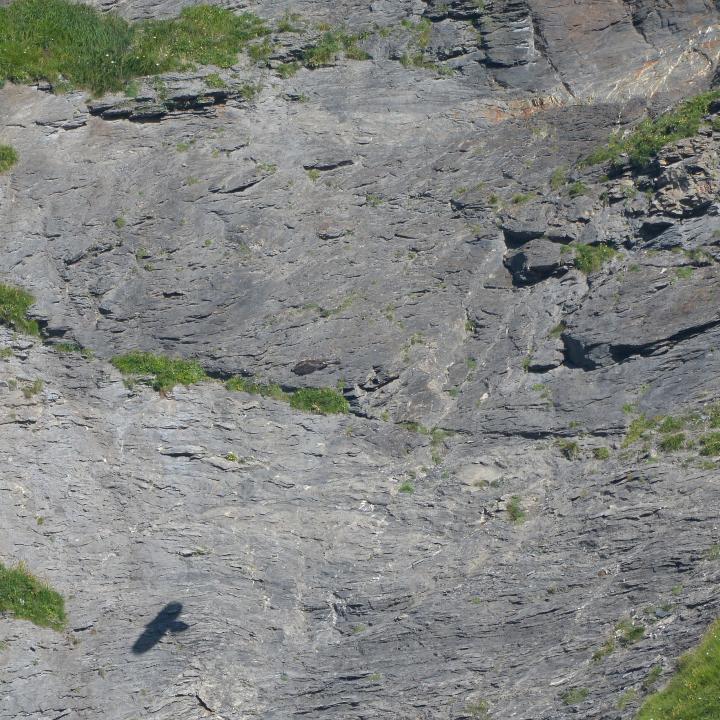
x=474, y=536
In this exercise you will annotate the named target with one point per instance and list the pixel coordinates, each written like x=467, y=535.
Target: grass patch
x=213, y=80
x=558, y=179
x=673, y=443
x=406, y=487
x=72, y=44
x=671, y=424
x=515, y=510
x=33, y=388
x=628, y=633
x=164, y=372
x=8, y=158
x=625, y=633
x=694, y=692
x=331, y=46
x=650, y=136
x=638, y=427
x=321, y=401
x=591, y=258
x=243, y=384
x=27, y=598
x=574, y=696
x=14, y=305
x=710, y=444
x=577, y=189
x=286, y=70
x=601, y=453
x=569, y=448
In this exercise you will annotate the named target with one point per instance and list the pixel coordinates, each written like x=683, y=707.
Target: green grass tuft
x=650, y=136
x=8, y=157
x=324, y=401
x=574, y=696
x=710, y=444
x=165, y=372
x=515, y=510
x=591, y=258
x=569, y=448
x=72, y=44
x=332, y=45
x=673, y=443
x=14, y=305
x=694, y=692
x=27, y=598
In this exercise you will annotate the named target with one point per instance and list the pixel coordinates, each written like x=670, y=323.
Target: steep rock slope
x=482, y=536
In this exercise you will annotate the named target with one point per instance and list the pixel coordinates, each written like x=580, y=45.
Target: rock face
x=459, y=546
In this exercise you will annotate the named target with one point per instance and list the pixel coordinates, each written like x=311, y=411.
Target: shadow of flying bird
x=164, y=622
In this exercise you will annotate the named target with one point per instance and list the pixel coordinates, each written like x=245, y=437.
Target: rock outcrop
x=468, y=541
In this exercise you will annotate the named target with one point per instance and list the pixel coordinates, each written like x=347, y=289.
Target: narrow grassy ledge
x=8, y=158
x=321, y=401
x=73, y=45
x=694, y=692
x=14, y=305
x=27, y=598
x=650, y=136
x=164, y=372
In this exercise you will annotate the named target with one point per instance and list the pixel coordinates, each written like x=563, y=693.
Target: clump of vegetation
x=591, y=258
x=8, y=156
x=33, y=388
x=213, y=80
x=406, y=487
x=627, y=698
x=650, y=136
x=515, y=510
x=673, y=433
x=577, y=189
x=601, y=453
x=14, y=305
x=626, y=633
x=72, y=44
x=322, y=401
x=638, y=427
x=574, y=696
x=671, y=424
x=286, y=70
x=673, y=443
x=652, y=677
x=289, y=23
x=332, y=44
x=710, y=444
x=28, y=598
x=478, y=710
x=569, y=448
x=694, y=692
x=522, y=198
x=164, y=372
x=248, y=385
x=558, y=179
